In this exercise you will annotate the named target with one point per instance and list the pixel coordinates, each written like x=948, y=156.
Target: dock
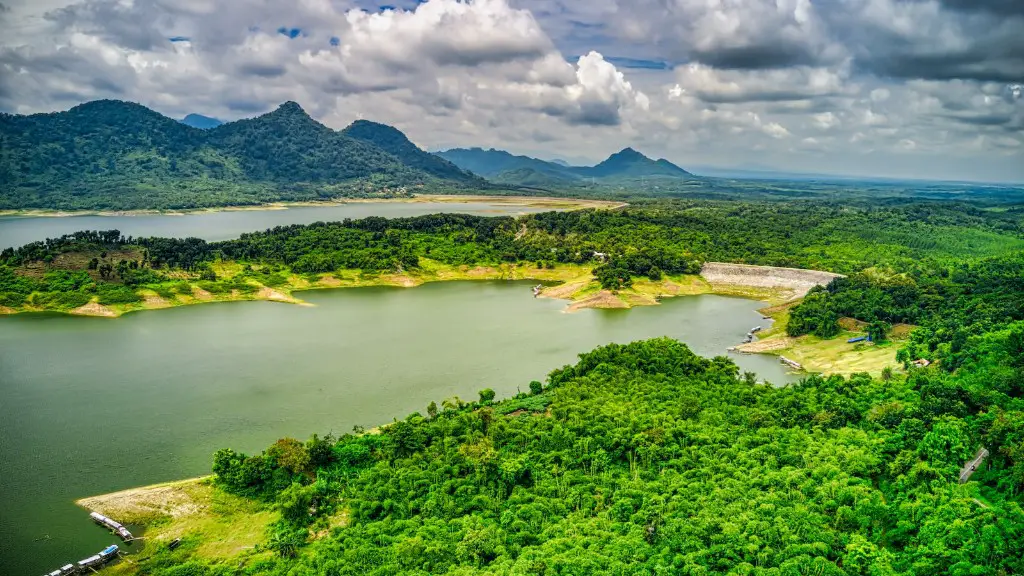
x=791, y=363
x=113, y=525
x=89, y=564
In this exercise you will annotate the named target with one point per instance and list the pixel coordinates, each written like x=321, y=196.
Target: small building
x=602, y=256
x=921, y=363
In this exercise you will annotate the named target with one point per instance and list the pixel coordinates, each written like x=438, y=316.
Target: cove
x=93, y=405
x=17, y=231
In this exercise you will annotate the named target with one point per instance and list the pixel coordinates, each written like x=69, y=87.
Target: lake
x=93, y=405
x=20, y=230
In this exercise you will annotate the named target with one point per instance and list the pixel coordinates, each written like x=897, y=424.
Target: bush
x=114, y=294
x=12, y=299
x=61, y=299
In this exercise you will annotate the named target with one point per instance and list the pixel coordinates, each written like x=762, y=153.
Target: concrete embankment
x=795, y=281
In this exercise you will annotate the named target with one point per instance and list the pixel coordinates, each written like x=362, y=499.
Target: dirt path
x=972, y=466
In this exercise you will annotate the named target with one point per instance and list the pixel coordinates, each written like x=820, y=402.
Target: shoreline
x=575, y=284
x=524, y=201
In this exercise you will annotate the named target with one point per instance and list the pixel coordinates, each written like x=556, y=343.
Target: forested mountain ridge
x=394, y=142
x=502, y=166
x=200, y=121
x=628, y=163
x=110, y=154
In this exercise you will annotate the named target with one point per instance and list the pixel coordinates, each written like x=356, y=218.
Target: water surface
x=20, y=230
x=92, y=405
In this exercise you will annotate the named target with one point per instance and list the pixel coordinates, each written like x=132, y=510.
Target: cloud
x=713, y=85
x=934, y=40
x=799, y=83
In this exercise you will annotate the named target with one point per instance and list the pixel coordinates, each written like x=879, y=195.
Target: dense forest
x=640, y=458
x=915, y=240
x=115, y=155
x=647, y=459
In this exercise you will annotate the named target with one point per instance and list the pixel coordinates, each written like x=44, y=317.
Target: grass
x=585, y=292
x=836, y=356
x=211, y=523
x=827, y=356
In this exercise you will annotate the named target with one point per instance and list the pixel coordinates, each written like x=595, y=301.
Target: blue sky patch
x=290, y=32
x=623, y=62
x=335, y=40
x=179, y=39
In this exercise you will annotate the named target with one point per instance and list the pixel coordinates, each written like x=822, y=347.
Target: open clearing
x=210, y=522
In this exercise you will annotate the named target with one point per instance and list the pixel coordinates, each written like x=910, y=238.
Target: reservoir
x=223, y=225
x=93, y=405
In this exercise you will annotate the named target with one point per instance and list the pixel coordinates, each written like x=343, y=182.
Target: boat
x=108, y=554
x=112, y=524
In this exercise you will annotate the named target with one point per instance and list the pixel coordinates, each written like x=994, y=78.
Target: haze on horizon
x=926, y=89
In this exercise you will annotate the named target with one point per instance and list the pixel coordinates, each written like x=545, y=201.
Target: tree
x=486, y=396
x=878, y=330
x=536, y=387
x=432, y=410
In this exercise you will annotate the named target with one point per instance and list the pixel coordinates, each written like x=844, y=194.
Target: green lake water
x=92, y=405
x=20, y=230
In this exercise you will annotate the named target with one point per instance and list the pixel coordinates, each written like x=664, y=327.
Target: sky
x=929, y=89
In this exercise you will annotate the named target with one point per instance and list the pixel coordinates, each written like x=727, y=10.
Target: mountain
x=200, y=121
x=118, y=155
x=507, y=168
x=394, y=142
x=628, y=163
x=492, y=163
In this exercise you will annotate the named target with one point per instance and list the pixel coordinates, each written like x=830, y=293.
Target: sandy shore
x=525, y=201
x=173, y=499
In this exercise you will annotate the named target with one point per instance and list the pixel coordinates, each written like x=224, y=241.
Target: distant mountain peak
x=289, y=109
x=201, y=122
x=628, y=153
x=395, y=142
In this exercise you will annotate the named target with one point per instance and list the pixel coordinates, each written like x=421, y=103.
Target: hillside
x=394, y=142
x=118, y=155
x=507, y=168
x=496, y=163
x=200, y=121
x=628, y=163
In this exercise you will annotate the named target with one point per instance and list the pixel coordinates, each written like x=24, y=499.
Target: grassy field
x=210, y=522
x=831, y=356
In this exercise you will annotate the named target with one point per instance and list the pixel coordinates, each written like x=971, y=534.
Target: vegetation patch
x=649, y=459
x=212, y=524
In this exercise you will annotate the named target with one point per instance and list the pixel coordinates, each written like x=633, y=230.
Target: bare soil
x=603, y=299
x=138, y=505
x=94, y=309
